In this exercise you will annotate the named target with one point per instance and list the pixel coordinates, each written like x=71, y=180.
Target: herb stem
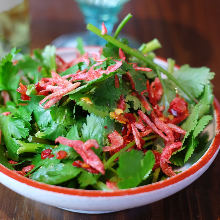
x=140, y=56
x=150, y=46
x=122, y=24
x=108, y=164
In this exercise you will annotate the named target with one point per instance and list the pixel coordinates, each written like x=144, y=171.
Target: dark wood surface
x=189, y=31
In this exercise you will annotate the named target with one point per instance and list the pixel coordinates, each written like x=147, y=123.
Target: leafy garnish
x=134, y=167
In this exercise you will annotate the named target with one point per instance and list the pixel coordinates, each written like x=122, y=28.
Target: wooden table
x=189, y=31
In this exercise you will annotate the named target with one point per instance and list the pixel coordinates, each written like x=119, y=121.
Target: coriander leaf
x=193, y=79
x=10, y=142
x=54, y=172
x=206, y=100
x=190, y=149
x=101, y=111
x=136, y=103
x=201, y=125
x=85, y=179
x=137, y=76
x=9, y=79
x=193, y=141
x=17, y=128
x=62, y=115
x=52, y=131
x=71, y=70
x=94, y=128
x=106, y=94
x=134, y=167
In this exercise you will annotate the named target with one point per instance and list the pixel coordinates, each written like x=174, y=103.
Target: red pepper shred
x=85, y=151
x=166, y=155
x=61, y=154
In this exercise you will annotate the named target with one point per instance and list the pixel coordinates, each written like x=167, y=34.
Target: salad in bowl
x=106, y=119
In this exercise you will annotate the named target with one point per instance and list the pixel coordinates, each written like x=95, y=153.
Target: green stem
x=122, y=24
x=108, y=164
x=171, y=64
x=140, y=56
x=150, y=46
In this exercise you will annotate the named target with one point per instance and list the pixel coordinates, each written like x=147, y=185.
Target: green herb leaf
x=54, y=172
x=134, y=167
x=193, y=79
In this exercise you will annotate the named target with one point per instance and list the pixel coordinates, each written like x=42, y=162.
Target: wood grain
x=189, y=31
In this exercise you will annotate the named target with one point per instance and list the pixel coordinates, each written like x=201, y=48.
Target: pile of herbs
x=91, y=111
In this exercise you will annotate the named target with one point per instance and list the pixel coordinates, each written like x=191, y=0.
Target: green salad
x=109, y=119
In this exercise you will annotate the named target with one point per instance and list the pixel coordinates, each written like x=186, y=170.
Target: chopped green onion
x=150, y=46
x=122, y=24
x=171, y=65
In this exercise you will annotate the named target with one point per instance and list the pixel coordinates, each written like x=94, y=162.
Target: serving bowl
x=95, y=201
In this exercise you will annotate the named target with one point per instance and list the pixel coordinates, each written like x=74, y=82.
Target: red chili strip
x=111, y=185
x=117, y=84
x=27, y=169
x=104, y=29
x=165, y=129
x=116, y=141
x=121, y=103
x=176, y=128
x=22, y=89
x=144, y=69
x=85, y=151
x=85, y=166
x=152, y=125
x=137, y=137
x=121, y=54
x=143, y=101
x=166, y=155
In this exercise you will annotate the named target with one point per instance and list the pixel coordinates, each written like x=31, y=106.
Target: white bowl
x=95, y=201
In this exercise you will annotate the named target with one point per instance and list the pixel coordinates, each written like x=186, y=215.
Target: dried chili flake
x=85, y=166
x=28, y=168
x=45, y=153
x=111, y=185
x=61, y=154
x=22, y=89
x=179, y=109
x=166, y=155
x=116, y=141
x=12, y=162
x=6, y=113
x=121, y=54
x=85, y=151
x=144, y=69
x=104, y=29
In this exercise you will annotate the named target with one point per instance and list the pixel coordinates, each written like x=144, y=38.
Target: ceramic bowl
x=87, y=201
